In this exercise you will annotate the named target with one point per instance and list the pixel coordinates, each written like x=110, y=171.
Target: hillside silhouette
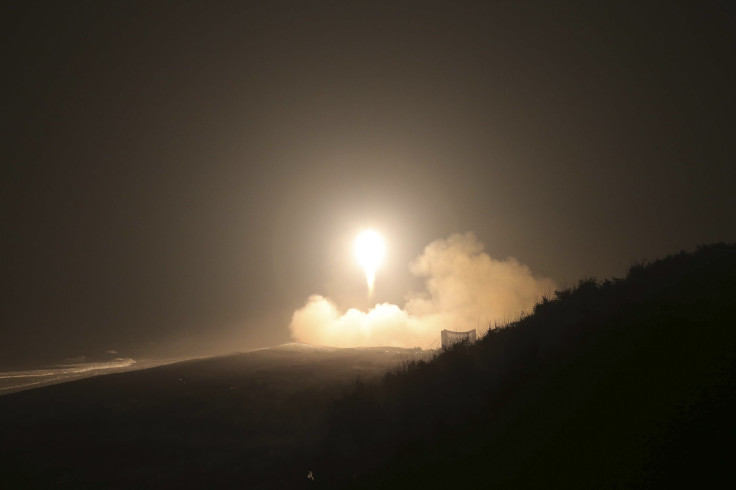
x=624, y=383
x=621, y=383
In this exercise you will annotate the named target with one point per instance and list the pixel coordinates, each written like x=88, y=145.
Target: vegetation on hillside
x=622, y=383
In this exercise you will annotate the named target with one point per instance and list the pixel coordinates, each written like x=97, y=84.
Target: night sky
x=180, y=176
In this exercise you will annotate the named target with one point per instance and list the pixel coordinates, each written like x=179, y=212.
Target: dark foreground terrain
x=625, y=383
x=248, y=420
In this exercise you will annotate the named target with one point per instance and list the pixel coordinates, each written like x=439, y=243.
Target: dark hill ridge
x=622, y=383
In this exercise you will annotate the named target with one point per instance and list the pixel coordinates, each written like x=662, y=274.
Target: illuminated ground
x=240, y=419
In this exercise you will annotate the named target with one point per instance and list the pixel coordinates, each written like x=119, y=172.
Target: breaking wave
x=19, y=380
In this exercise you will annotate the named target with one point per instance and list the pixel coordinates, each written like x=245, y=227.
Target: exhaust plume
x=369, y=250
x=465, y=287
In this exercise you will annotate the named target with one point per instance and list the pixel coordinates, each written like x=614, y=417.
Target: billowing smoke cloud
x=465, y=288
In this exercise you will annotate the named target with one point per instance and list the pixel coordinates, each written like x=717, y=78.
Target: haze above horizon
x=184, y=179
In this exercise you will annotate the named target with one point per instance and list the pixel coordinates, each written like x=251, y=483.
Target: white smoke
x=466, y=289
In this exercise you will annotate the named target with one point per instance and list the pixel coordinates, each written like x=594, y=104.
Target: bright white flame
x=369, y=250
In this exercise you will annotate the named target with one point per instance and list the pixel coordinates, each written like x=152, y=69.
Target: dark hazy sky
x=179, y=176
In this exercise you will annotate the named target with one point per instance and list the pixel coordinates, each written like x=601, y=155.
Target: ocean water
x=12, y=381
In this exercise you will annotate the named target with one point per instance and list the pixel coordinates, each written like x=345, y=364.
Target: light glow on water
x=19, y=380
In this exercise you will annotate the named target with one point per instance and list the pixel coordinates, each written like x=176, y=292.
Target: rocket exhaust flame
x=369, y=251
x=463, y=285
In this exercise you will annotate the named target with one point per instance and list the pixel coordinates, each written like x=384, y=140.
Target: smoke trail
x=463, y=286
